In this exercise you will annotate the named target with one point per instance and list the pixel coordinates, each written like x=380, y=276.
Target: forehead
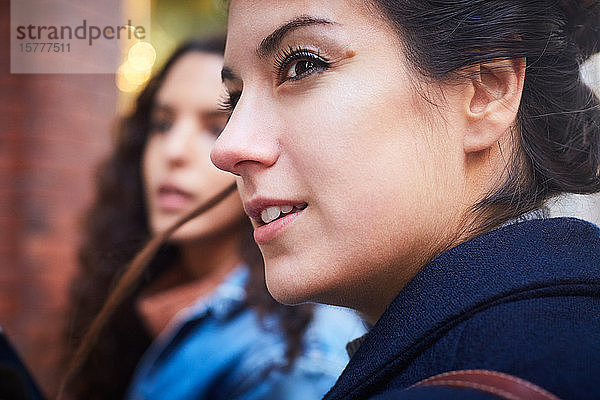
x=251, y=21
x=195, y=74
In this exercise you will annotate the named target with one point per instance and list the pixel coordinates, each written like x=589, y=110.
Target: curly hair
x=115, y=229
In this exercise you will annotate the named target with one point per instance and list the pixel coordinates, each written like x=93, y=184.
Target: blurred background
x=54, y=129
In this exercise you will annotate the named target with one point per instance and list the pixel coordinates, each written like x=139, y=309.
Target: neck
x=212, y=258
x=204, y=264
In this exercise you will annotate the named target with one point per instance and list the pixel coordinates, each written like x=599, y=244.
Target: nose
x=180, y=144
x=249, y=139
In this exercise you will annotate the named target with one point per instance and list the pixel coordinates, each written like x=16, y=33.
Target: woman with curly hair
x=199, y=323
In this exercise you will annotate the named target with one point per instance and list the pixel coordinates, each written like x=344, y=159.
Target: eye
x=297, y=63
x=160, y=125
x=162, y=119
x=215, y=124
x=300, y=68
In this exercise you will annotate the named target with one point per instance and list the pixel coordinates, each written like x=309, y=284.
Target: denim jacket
x=220, y=349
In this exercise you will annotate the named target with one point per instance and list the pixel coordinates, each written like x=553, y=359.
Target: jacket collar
x=520, y=260
x=225, y=300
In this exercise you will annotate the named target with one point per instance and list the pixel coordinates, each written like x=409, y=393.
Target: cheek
x=150, y=166
x=223, y=218
x=345, y=120
x=211, y=179
x=227, y=213
x=200, y=174
x=209, y=182
x=369, y=145
x=371, y=162
x=151, y=177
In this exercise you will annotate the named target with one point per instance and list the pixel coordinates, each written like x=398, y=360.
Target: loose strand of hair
x=127, y=283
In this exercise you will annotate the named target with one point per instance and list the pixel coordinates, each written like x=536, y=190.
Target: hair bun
x=583, y=24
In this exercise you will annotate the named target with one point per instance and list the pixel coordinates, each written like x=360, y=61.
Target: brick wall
x=53, y=130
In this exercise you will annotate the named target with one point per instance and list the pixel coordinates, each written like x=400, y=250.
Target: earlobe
x=493, y=102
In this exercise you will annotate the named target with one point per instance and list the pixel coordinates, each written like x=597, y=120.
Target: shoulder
x=433, y=393
x=551, y=341
x=202, y=354
x=558, y=325
x=521, y=299
x=261, y=373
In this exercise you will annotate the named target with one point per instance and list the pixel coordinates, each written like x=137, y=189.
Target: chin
x=187, y=233
x=287, y=285
x=286, y=293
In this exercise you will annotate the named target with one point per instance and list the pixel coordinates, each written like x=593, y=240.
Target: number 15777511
x=51, y=47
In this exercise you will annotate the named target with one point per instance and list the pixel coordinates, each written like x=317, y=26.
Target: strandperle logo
x=80, y=36
x=85, y=31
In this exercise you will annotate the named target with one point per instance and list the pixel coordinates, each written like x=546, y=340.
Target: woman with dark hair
x=417, y=143
x=200, y=316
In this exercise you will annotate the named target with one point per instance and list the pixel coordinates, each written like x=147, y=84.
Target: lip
x=264, y=233
x=171, y=198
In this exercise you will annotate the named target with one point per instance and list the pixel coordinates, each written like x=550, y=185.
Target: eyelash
x=288, y=57
x=282, y=62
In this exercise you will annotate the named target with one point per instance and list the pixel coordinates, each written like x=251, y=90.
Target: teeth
x=272, y=213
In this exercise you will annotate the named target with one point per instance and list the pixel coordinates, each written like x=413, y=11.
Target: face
x=329, y=135
x=178, y=173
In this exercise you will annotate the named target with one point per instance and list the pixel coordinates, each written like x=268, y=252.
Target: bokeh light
x=142, y=56
x=129, y=78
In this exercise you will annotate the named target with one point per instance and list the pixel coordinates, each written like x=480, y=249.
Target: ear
x=493, y=100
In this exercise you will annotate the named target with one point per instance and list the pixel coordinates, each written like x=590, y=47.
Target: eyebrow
x=270, y=44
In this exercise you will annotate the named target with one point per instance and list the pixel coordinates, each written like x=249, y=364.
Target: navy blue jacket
x=522, y=299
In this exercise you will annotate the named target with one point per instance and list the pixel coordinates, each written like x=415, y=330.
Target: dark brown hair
x=102, y=298
x=558, y=123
